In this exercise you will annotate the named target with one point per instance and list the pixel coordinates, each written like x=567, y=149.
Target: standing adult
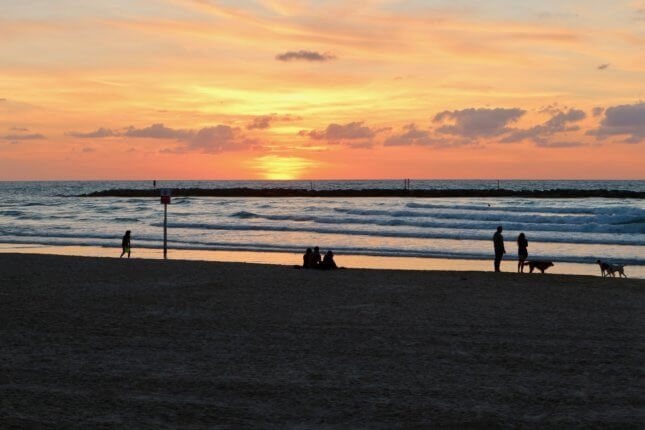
x=498, y=244
x=522, y=252
x=125, y=244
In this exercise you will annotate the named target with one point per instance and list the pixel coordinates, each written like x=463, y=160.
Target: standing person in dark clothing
x=316, y=258
x=522, y=252
x=498, y=243
x=125, y=244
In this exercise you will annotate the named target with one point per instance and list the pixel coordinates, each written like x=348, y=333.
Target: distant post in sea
x=165, y=201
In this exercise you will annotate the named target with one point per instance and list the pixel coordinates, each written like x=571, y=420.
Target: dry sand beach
x=98, y=342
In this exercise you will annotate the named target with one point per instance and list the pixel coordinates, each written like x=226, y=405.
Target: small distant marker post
x=165, y=201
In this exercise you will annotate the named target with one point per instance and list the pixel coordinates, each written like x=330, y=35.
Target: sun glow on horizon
x=274, y=167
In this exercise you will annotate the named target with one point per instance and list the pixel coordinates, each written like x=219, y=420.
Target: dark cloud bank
x=559, y=122
x=353, y=134
x=216, y=139
x=265, y=121
x=101, y=132
x=18, y=137
x=451, y=129
x=304, y=55
x=467, y=126
x=478, y=122
x=623, y=120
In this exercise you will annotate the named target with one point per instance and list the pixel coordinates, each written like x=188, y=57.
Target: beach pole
x=165, y=200
x=165, y=231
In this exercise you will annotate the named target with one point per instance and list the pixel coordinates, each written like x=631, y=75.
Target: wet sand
x=144, y=343
x=286, y=258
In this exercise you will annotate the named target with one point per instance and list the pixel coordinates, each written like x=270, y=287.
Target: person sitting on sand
x=315, y=257
x=307, y=259
x=328, y=262
x=498, y=243
x=522, y=252
x=125, y=244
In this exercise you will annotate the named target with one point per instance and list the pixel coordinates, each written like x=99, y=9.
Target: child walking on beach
x=498, y=244
x=522, y=252
x=125, y=244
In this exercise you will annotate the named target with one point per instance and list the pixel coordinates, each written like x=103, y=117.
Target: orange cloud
x=208, y=72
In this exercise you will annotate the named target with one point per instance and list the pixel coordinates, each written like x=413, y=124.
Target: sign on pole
x=165, y=196
x=165, y=200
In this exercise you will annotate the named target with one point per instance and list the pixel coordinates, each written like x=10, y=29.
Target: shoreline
x=102, y=342
x=424, y=193
x=290, y=259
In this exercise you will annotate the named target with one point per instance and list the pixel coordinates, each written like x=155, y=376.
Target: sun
x=274, y=167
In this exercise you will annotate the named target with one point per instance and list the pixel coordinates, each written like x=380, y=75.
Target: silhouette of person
x=522, y=252
x=307, y=259
x=154, y=184
x=498, y=243
x=328, y=262
x=315, y=257
x=125, y=244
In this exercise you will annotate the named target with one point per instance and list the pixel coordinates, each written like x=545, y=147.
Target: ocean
x=576, y=230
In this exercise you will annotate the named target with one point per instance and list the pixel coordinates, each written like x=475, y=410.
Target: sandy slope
x=105, y=342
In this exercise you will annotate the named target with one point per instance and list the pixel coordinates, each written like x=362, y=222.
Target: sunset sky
x=322, y=89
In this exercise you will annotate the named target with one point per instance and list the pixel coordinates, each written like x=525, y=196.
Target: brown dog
x=541, y=265
x=604, y=268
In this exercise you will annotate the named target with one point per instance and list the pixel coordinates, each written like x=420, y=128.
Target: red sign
x=165, y=196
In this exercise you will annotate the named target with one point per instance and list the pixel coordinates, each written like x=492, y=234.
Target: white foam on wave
x=626, y=216
x=621, y=225
x=529, y=207
x=438, y=234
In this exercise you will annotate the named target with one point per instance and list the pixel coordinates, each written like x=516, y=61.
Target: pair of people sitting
x=313, y=260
